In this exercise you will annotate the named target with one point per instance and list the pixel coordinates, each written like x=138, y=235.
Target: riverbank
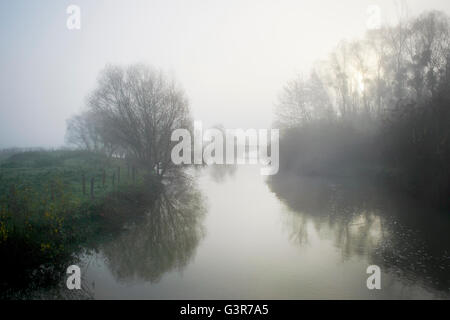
x=54, y=204
x=345, y=149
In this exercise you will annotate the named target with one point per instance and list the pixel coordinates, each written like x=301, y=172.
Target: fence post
x=83, y=179
x=118, y=175
x=92, y=188
x=12, y=197
x=52, y=190
x=103, y=178
x=113, y=180
x=12, y=190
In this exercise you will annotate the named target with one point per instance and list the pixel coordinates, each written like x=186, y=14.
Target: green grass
x=39, y=169
x=45, y=217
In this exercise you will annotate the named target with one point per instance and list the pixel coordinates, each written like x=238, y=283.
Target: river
x=231, y=233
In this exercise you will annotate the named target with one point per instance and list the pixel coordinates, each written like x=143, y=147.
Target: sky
x=231, y=57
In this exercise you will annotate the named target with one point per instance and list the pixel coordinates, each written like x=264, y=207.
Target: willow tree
x=139, y=108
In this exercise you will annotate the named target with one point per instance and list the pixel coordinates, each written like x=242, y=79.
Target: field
x=55, y=203
x=40, y=169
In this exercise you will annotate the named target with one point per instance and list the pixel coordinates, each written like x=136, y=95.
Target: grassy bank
x=53, y=204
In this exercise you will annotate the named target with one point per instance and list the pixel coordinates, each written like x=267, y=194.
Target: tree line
x=377, y=104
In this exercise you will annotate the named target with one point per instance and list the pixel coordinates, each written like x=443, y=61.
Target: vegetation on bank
x=55, y=203
x=46, y=218
x=378, y=106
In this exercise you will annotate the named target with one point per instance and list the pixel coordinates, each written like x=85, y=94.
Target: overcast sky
x=231, y=57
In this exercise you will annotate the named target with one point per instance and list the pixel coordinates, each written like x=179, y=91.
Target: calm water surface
x=234, y=234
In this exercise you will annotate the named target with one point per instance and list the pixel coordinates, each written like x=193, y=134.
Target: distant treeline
x=378, y=106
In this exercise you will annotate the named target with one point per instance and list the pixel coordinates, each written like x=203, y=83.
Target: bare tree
x=86, y=131
x=303, y=101
x=139, y=108
x=82, y=133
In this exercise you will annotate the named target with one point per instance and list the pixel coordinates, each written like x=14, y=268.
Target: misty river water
x=234, y=234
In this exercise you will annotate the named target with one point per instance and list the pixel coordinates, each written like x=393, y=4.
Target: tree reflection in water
x=364, y=218
x=165, y=240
